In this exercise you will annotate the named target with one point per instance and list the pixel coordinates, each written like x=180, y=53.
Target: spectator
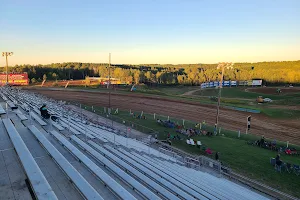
x=215, y=129
x=169, y=135
x=44, y=112
x=203, y=125
x=262, y=141
x=278, y=161
x=217, y=156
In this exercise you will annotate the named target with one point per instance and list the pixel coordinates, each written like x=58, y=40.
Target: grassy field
x=241, y=93
x=252, y=161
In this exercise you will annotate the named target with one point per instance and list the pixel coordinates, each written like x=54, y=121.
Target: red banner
x=15, y=79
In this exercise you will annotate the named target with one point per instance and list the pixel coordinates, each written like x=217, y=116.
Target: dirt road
x=285, y=130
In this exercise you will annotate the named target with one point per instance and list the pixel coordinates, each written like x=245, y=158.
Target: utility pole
x=109, y=105
x=222, y=66
x=6, y=54
x=108, y=85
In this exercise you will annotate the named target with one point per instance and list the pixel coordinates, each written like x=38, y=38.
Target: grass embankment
x=251, y=161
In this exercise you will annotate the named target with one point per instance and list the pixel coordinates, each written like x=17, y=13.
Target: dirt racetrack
x=273, y=90
x=284, y=130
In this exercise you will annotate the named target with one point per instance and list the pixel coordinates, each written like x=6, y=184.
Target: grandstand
x=75, y=158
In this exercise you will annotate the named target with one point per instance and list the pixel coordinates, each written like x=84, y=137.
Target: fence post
x=219, y=130
x=168, y=118
x=183, y=122
x=51, y=125
x=239, y=134
x=85, y=132
x=30, y=118
x=114, y=140
x=287, y=144
x=69, y=123
x=7, y=110
x=154, y=115
x=80, y=112
x=92, y=108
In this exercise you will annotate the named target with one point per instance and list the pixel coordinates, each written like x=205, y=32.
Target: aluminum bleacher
x=37, y=118
x=2, y=111
x=83, y=186
x=38, y=181
x=127, y=178
x=106, y=179
x=133, y=171
x=166, y=173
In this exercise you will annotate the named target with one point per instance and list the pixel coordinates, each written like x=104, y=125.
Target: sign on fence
x=232, y=83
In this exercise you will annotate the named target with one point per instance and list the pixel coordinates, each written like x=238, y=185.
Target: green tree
x=33, y=80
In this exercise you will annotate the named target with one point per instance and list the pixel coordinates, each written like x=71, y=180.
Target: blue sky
x=150, y=31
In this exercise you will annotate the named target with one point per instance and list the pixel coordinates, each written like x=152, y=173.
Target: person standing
x=217, y=156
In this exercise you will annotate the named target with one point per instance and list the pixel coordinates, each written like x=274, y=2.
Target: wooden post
x=154, y=115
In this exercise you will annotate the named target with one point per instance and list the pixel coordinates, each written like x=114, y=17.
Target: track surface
x=273, y=90
x=284, y=130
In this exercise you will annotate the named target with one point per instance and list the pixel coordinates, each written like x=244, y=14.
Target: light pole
x=221, y=66
x=109, y=105
x=6, y=54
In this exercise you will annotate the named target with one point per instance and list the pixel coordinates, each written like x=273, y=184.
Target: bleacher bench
x=38, y=119
x=2, y=111
x=135, y=184
x=110, y=182
x=40, y=185
x=140, y=175
x=84, y=187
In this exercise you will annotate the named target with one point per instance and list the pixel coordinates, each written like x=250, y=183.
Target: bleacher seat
x=111, y=183
x=40, y=185
x=140, y=175
x=83, y=186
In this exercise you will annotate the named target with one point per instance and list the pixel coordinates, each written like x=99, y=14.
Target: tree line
x=186, y=74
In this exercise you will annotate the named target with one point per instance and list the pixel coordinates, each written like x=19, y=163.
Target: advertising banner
x=257, y=82
x=233, y=83
x=14, y=79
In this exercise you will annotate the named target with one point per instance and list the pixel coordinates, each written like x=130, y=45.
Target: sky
x=149, y=31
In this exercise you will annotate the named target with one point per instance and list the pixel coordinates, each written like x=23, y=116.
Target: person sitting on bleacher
x=45, y=114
